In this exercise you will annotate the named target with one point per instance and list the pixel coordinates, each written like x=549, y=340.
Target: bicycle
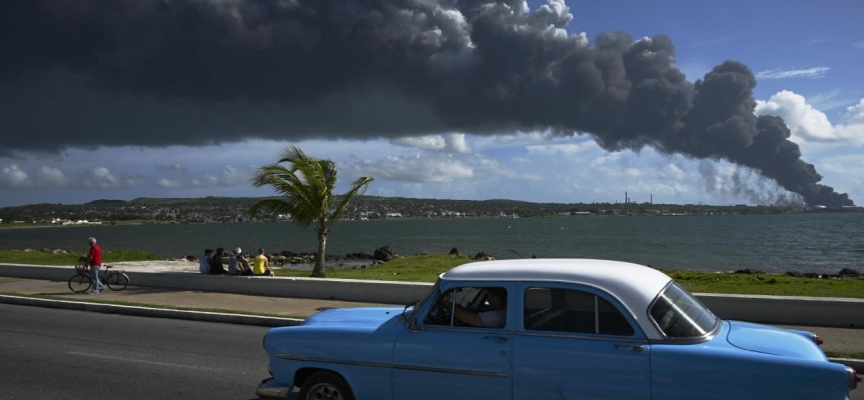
x=81, y=282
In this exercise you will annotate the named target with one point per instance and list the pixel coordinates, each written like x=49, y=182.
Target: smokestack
x=209, y=71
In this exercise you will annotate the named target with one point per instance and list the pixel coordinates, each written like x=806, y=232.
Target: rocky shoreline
x=306, y=260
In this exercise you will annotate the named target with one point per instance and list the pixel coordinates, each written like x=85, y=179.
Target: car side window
x=573, y=311
x=482, y=307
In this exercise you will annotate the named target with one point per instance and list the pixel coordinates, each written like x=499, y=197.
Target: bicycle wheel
x=79, y=283
x=117, y=281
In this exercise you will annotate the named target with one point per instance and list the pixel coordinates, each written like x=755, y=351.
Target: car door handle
x=635, y=348
x=498, y=338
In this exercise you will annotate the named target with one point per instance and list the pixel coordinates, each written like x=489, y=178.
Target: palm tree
x=306, y=189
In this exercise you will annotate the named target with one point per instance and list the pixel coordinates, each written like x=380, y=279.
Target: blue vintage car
x=548, y=329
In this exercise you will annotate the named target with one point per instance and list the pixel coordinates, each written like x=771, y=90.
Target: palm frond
x=358, y=187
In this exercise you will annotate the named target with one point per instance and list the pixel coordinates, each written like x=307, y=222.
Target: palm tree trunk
x=318, y=271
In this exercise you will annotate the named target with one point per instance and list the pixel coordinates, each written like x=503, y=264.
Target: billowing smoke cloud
x=163, y=72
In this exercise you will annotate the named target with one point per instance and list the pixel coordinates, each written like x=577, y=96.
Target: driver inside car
x=495, y=317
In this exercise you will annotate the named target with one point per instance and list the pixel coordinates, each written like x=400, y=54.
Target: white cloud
x=606, y=158
x=524, y=137
x=675, y=172
x=454, y=142
x=171, y=167
x=853, y=123
x=811, y=125
x=234, y=176
x=851, y=166
x=410, y=169
x=14, y=177
x=568, y=149
x=815, y=72
x=168, y=183
x=490, y=167
x=205, y=181
x=49, y=176
x=99, y=177
x=830, y=100
x=803, y=120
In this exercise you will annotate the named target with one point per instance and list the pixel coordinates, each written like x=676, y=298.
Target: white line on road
x=159, y=363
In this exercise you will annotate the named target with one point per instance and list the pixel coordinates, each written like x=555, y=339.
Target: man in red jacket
x=94, y=259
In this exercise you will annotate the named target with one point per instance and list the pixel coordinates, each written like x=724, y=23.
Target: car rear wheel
x=324, y=385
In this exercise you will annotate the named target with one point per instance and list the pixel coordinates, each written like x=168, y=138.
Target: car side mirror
x=413, y=327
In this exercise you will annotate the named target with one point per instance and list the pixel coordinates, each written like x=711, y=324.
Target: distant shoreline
x=595, y=215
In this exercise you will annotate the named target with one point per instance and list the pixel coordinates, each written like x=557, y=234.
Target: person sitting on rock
x=204, y=262
x=237, y=265
x=215, y=262
x=262, y=265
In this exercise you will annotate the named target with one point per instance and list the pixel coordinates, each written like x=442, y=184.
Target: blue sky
x=807, y=58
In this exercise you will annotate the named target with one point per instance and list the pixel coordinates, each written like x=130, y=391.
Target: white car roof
x=634, y=285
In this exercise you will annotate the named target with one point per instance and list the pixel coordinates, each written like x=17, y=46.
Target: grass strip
x=42, y=257
x=840, y=354
x=427, y=268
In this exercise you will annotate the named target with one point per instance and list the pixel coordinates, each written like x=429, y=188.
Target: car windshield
x=680, y=315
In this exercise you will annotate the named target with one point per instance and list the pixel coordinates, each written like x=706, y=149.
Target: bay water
x=823, y=243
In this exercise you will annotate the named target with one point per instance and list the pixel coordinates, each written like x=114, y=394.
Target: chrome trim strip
x=295, y=357
x=452, y=371
x=587, y=336
x=299, y=357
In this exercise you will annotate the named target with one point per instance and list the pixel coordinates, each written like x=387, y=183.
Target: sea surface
x=823, y=243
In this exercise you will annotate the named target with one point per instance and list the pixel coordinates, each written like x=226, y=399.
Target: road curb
x=203, y=316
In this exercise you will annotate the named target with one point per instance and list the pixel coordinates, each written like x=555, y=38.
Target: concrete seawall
x=812, y=311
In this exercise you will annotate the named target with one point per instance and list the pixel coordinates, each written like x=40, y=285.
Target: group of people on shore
x=211, y=263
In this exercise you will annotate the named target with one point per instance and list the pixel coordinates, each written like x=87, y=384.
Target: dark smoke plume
x=87, y=73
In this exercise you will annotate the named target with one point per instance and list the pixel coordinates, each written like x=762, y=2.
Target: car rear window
x=680, y=315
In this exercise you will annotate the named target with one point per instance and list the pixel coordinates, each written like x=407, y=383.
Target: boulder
x=749, y=271
x=811, y=275
x=793, y=274
x=383, y=253
x=849, y=272
x=480, y=255
x=454, y=252
x=358, y=256
x=191, y=258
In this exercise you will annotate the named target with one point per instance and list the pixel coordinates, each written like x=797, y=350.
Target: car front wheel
x=324, y=385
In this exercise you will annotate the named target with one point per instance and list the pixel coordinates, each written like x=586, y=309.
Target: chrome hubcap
x=325, y=391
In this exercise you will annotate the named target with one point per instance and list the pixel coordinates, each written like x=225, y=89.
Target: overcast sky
x=468, y=102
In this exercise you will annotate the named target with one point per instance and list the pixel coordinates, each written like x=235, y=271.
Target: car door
x=577, y=343
x=444, y=360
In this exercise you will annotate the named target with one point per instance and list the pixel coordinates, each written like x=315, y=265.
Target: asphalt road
x=59, y=354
